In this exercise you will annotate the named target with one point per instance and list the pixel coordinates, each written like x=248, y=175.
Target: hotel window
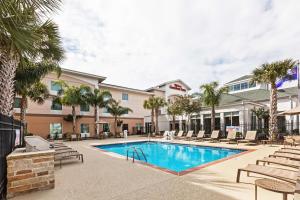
x=55, y=128
x=126, y=112
x=17, y=103
x=244, y=85
x=105, y=110
x=125, y=96
x=106, y=98
x=84, y=128
x=55, y=86
x=84, y=108
x=56, y=106
x=237, y=87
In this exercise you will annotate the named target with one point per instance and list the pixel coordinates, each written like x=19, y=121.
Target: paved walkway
x=102, y=176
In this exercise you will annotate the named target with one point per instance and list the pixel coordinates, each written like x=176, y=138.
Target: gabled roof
x=245, y=77
x=124, y=88
x=168, y=82
x=69, y=71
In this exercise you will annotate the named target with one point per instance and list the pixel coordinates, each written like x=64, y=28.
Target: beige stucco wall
x=135, y=101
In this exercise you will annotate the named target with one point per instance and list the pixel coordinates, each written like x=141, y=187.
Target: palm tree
x=158, y=102
x=28, y=84
x=149, y=104
x=269, y=73
x=72, y=96
x=116, y=110
x=211, y=96
x=98, y=99
x=174, y=109
x=25, y=32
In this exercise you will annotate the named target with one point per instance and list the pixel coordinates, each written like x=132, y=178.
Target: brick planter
x=29, y=171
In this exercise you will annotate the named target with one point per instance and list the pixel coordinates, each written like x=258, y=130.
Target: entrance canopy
x=294, y=111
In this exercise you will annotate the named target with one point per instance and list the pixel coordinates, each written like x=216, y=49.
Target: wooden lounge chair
x=189, y=135
x=286, y=155
x=199, y=136
x=163, y=135
x=281, y=174
x=291, y=151
x=279, y=161
x=213, y=137
x=179, y=135
x=250, y=138
x=292, y=148
x=67, y=156
x=231, y=137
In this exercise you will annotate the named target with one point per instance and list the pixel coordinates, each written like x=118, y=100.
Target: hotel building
x=51, y=118
x=235, y=109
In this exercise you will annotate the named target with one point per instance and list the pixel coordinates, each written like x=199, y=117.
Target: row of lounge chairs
x=63, y=152
x=289, y=157
x=215, y=135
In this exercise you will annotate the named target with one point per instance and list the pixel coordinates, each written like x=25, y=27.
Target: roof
x=124, y=88
x=165, y=83
x=255, y=96
x=245, y=77
x=100, y=78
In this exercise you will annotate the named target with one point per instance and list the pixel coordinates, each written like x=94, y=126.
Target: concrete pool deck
x=103, y=176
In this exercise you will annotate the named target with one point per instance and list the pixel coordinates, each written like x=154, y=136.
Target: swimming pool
x=170, y=156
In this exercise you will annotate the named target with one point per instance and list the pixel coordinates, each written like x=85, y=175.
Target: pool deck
x=103, y=176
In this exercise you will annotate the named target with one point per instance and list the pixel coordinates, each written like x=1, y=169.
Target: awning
x=294, y=111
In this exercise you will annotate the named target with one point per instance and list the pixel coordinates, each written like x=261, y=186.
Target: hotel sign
x=177, y=87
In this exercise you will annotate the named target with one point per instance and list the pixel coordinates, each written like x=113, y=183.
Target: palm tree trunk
x=74, y=119
x=8, y=66
x=213, y=118
x=116, y=126
x=273, y=113
x=96, y=120
x=173, y=123
x=23, y=107
x=156, y=122
x=152, y=121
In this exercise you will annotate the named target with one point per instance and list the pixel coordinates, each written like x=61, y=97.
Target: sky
x=142, y=43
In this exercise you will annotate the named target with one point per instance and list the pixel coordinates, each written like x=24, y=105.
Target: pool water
x=174, y=157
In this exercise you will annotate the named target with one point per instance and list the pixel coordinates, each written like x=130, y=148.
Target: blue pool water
x=174, y=157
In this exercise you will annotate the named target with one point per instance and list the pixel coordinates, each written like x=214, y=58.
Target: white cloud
x=140, y=43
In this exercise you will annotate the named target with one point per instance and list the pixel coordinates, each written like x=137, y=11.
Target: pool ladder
x=135, y=152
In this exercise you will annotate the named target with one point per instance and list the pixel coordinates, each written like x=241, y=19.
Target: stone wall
x=29, y=171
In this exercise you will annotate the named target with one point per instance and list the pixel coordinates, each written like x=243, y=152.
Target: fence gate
x=11, y=136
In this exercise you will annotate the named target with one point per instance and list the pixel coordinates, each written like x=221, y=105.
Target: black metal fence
x=11, y=136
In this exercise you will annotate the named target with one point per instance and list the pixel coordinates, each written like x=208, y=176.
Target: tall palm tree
x=149, y=104
x=98, y=99
x=158, y=102
x=25, y=32
x=269, y=73
x=116, y=110
x=211, y=96
x=174, y=109
x=28, y=83
x=72, y=96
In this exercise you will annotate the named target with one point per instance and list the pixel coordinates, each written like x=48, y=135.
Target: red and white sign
x=177, y=87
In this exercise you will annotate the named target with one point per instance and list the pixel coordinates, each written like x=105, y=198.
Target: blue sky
x=141, y=43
